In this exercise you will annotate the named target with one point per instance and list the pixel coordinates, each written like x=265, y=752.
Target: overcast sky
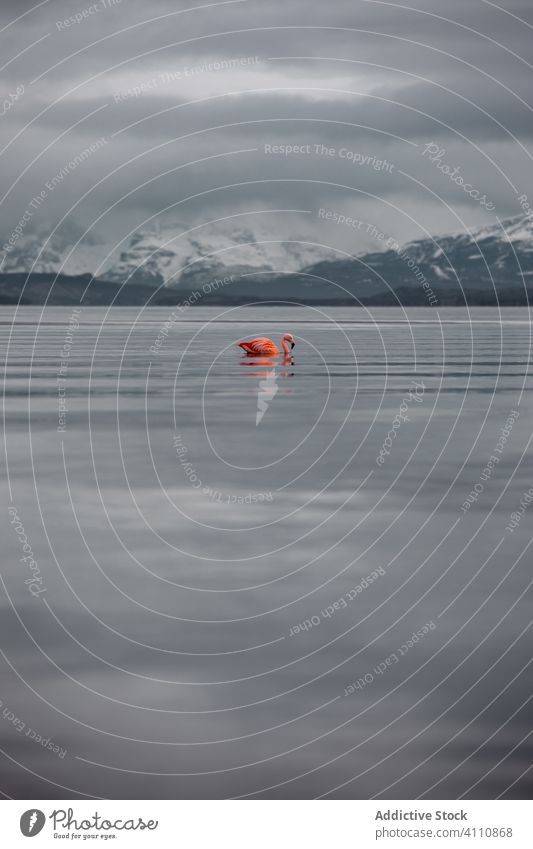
x=365, y=79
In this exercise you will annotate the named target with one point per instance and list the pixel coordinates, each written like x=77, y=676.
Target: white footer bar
x=268, y=824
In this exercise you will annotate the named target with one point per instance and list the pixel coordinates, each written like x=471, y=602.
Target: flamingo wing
x=261, y=345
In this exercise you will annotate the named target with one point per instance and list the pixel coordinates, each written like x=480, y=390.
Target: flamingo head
x=290, y=339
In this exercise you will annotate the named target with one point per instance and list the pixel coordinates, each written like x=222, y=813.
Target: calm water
x=201, y=621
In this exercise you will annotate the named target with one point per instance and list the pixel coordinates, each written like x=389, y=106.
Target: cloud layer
x=188, y=97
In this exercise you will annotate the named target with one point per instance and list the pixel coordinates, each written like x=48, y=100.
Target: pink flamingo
x=262, y=346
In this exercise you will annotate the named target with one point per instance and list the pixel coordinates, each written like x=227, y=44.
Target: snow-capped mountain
x=42, y=252
x=497, y=250
x=172, y=254
x=489, y=259
x=177, y=255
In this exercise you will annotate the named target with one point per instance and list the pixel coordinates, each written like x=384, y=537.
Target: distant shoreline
x=62, y=290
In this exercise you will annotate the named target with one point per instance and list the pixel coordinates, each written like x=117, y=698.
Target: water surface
x=227, y=601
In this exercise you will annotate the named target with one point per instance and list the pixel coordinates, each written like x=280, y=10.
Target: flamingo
x=262, y=346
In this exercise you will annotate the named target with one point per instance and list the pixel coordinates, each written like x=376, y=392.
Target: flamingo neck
x=284, y=346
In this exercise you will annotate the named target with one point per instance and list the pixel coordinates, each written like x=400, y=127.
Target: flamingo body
x=262, y=346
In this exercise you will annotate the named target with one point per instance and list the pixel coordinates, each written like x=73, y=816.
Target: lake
x=290, y=578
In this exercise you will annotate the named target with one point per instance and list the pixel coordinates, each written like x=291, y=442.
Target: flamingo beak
x=292, y=345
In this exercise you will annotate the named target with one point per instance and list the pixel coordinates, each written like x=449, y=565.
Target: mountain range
x=161, y=266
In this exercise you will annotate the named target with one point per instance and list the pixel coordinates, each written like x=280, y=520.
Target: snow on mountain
x=488, y=260
x=517, y=229
x=174, y=254
x=504, y=251
x=169, y=255
x=178, y=255
x=41, y=252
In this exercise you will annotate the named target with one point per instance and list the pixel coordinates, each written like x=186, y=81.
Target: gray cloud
x=378, y=79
